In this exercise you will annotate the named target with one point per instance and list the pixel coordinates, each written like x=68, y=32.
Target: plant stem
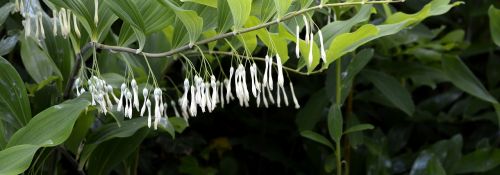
x=337, y=155
x=338, y=100
x=75, y=70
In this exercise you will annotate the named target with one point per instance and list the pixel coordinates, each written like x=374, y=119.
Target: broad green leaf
x=112, y=130
x=264, y=9
x=357, y=128
x=110, y=153
x=14, y=102
x=241, y=11
x=5, y=11
x=59, y=49
x=494, y=15
x=317, y=138
x=282, y=7
x=129, y=13
x=7, y=44
x=392, y=90
x=37, y=62
x=427, y=163
x=335, y=123
x=210, y=3
x=464, y=79
x=79, y=133
x=224, y=20
x=448, y=152
x=310, y=114
x=179, y=124
x=434, y=8
x=16, y=159
x=276, y=42
x=347, y=42
x=331, y=30
x=481, y=160
x=52, y=126
x=190, y=19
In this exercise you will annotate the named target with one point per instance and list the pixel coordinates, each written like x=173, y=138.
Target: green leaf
x=179, y=124
x=335, y=122
x=129, y=13
x=224, y=20
x=16, y=159
x=113, y=130
x=494, y=15
x=317, y=138
x=210, y=3
x=331, y=30
x=52, y=126
x=14, y=102
x=347, y=42
x=7, y=44
x=282, y=7
x=434, y=8
x=427, y=163
x=190, y=19
x=357, y=128
x=59, y=49
x=481, y=160
x=464, y=79
x=110, y=153
x=37, y=62
x=241, y=11
x=392, y=89
x=5, y=11
x=310, y=114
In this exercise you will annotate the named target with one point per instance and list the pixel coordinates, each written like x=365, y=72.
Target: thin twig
x=229, y=34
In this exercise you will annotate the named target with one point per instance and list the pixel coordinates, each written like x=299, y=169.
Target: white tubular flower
x=184, y=101
x=252, y=78
x=91, y=90
x=229, y=95
x=96, y=12
x=278, y=97
x=148, y=105
x=174, y=105
x=198, y=89
x=295, y=101
x=67, y=23
x=17, y=7
x=264, y=100
x=323, y=53
x=297, y=43
x=62, y=20
x=102, y=104
x=203, y=101
x=128, y=104
x=135, y=91
x=307, y=28
x=192, y=108
x=158, y=103
x=271, y=98
x=285, y=97
x=108, y=100
x=145, y=93
x=54, y=22
x=120, y=102
x=257, y=99
x=40, y=20
x=75, y=25
x=76, y=85
x=82, y=90
x=270, y=81
x=221, y=93
x=208, y=98
x=215, y=93
x=264, y=79
x=280, y=71
x=245, y=87
x=311, y=50
x=110, y=90
x=27, y=26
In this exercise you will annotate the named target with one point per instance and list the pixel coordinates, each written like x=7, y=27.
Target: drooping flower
x=306, y=23
x=322, y=45
x=297, y=43
x=135, y=92
x=295, y=101
x=145, y=93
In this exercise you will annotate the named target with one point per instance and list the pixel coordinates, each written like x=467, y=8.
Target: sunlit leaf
x=241, y=11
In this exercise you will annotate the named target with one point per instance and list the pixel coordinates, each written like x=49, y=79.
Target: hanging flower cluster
x=199, y=94
x=309, y=41
x=62, y=21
